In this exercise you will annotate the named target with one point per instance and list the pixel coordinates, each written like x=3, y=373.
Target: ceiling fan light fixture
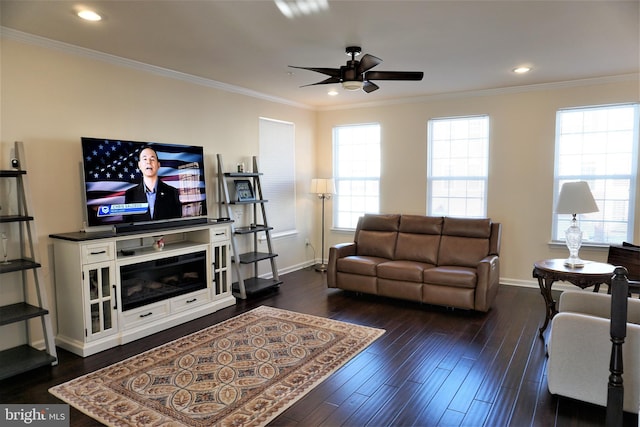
x=352, y=85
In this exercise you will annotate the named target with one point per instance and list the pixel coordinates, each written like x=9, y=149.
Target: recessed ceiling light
x=332, y=92
x=89, y=15
x=522, y=70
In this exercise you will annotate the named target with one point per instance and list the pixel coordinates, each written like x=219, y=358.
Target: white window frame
x=458, y=166
x=356, y=166
x=591, y=146
x=277, y=163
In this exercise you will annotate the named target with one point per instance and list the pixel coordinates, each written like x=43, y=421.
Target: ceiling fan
x=356, y=75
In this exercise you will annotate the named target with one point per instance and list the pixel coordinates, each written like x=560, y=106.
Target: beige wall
x=50, y=98
x=520, y=167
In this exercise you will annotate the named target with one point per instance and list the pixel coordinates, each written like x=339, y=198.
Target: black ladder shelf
x=23, y=357
x=247, y=286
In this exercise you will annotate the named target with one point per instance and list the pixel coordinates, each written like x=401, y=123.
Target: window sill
x=343, y=230
x=596, y=246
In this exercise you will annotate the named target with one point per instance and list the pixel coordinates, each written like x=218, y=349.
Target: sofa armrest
x=488, y=271
x=340, y=250
x=585, y=302
x=579, y=349
x=595, y=304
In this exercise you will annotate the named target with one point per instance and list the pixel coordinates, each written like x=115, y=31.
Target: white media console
x=115, y=288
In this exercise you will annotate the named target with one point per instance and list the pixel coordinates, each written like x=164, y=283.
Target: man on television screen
x=163, y=199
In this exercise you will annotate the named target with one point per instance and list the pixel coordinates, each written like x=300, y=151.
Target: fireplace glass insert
x=151, y=281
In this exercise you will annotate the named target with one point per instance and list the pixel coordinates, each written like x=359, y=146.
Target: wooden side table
x=548, y=271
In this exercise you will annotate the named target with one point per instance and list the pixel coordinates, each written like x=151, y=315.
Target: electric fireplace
x=151, y=281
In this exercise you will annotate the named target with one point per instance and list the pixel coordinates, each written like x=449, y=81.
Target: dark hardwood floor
x=433, y=366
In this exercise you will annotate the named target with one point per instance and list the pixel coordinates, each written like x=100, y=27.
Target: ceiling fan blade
x=333, y=72
x=368, y=62
x=369, y=86
x=325, y=82
x=394, y=75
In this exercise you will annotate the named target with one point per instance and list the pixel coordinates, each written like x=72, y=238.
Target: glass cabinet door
x=100, y=287
x=220, y=269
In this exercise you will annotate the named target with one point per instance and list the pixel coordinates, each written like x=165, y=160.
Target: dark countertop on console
x=80, y=236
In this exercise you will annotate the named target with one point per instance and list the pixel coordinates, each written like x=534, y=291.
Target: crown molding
x=140, y=66
x=634, y=77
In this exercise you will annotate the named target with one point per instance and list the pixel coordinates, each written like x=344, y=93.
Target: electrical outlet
x=306, y=242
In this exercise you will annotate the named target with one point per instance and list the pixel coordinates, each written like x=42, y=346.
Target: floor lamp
x=324, y=188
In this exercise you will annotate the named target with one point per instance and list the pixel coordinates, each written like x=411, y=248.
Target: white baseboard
x=533, y=283
x=289, y=269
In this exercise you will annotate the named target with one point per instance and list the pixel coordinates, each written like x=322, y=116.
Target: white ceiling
x=459, y=45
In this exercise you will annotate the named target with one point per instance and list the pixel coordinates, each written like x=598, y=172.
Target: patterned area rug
x=244, y=371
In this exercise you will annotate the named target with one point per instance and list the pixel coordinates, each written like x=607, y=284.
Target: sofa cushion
x=417, y=247
x=467, y=227
x=407, y=271
x=462, y=251
x=421, y=224
x=377, y=243
x=379, y=222
x=465, y=241
x=460, y=277
x=362, y=265
x=419, y=238
x=376, y=235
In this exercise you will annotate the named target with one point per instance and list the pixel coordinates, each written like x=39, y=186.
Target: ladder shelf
x=247, y=286
x=24, y=357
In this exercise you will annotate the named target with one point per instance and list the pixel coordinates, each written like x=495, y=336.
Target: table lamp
x=324, y=188
x=575, y=198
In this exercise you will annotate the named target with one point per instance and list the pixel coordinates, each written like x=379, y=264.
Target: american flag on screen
x=111, y=168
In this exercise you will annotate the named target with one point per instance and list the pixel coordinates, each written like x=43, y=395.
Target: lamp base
x=574, y=262
x=574, y=241
x=321, y=267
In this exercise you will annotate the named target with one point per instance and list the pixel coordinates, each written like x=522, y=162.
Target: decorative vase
x=158, y=243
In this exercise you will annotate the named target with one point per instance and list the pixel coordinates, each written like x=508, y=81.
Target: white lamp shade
x=576, y=198
x=323, y=186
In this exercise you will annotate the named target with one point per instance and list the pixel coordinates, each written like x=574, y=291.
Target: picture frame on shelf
x=244, y=190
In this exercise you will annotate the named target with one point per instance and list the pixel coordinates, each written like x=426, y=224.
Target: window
x=458, y=164
x=356, y=154
x=599, y=145
x=277, y=165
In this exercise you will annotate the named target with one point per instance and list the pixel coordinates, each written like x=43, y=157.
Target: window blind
x=277, y=164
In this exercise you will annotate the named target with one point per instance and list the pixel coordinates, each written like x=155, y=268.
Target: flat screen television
x=133, y=183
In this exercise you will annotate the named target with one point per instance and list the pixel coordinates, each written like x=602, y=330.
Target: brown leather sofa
x=445, y=261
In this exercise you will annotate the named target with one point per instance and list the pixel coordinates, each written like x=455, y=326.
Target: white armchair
x=579, y=349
